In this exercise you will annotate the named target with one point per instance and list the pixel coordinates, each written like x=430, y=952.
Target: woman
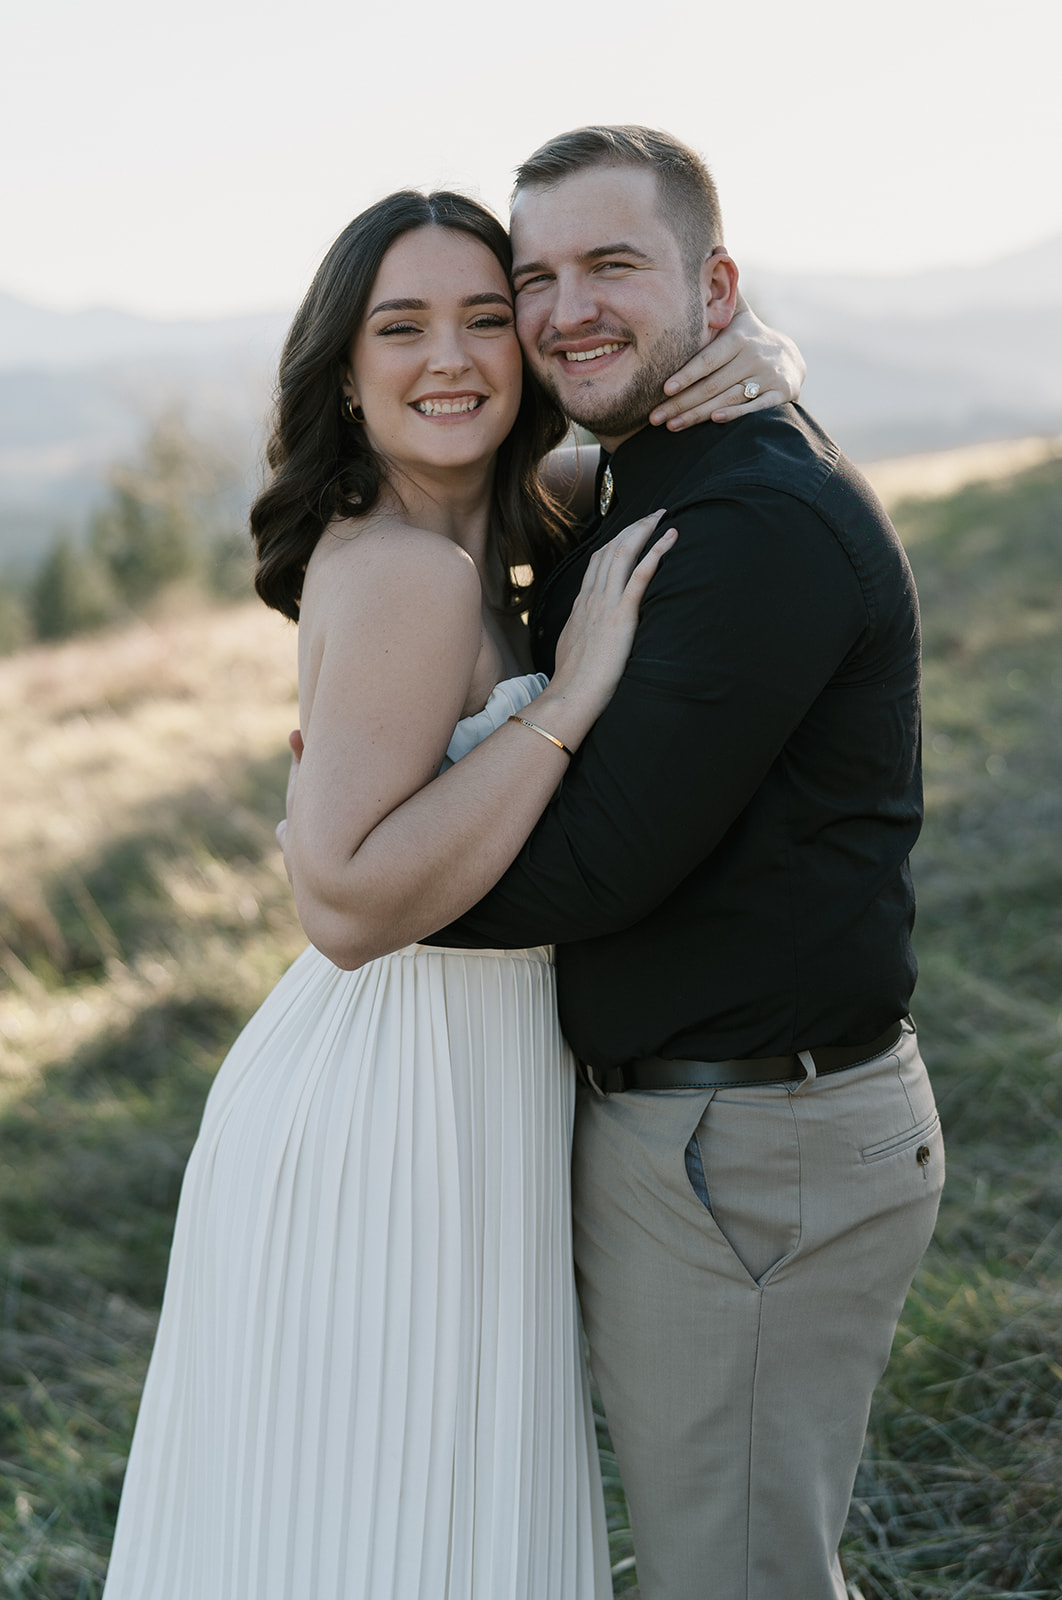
x=367, y=1383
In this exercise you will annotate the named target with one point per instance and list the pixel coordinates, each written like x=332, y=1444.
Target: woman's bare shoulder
x=383, y=555
x=382, y=592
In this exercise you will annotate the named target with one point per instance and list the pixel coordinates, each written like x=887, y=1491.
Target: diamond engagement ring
x=752, y=389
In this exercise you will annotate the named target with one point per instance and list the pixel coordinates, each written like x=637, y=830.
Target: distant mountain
x=896, y=365
x=36, y=340
x=933, y=359
x=1030, y=280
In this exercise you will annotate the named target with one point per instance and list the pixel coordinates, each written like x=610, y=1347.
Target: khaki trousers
x=736, y=1349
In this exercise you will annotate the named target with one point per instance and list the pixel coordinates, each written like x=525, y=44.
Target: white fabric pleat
x=367, y=1382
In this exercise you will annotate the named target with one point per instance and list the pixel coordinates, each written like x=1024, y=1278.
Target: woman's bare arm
x=381, y=851
x=711, y=386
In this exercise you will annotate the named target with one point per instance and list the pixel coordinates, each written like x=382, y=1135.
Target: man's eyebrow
x=489, y=297
x=600, y=252
x=620, y=249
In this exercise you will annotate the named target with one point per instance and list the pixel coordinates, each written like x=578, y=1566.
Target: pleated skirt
x=368, y=1381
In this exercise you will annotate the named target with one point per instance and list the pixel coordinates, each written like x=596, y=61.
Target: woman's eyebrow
x=489, y=297
x=399, y=305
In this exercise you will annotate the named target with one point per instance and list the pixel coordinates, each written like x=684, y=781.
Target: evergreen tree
x=15, y=628
x=71, y=593
x=166, y=513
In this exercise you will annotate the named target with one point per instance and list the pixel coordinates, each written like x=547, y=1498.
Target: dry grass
x=941, y=472
x=102, y=728
x=117, y=739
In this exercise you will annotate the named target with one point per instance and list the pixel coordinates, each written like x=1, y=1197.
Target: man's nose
x=574, y=303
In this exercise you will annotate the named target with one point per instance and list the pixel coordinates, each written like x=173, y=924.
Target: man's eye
x=532, y=283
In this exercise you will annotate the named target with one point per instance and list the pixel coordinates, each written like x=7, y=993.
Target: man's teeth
x=591, y=355
x=447, y=408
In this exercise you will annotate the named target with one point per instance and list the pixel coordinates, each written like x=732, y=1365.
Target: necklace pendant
x=605, y=497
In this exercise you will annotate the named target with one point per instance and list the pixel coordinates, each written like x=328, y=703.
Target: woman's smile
x=451, y=407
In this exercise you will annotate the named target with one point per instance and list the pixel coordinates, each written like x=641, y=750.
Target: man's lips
x=448, y=405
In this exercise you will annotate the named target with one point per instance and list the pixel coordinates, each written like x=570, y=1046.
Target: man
x=757, y=1158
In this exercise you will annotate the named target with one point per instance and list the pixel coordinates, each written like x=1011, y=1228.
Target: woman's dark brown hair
x=322, y=467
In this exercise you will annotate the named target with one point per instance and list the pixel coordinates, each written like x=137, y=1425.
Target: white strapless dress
x=368, y=1381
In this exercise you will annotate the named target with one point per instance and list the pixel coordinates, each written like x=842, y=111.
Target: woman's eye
x=399, y=327
x=492, y=322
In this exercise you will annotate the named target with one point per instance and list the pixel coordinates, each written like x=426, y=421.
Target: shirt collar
x=649, y=463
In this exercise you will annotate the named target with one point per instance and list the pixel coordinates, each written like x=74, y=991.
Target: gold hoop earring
x=355, y=413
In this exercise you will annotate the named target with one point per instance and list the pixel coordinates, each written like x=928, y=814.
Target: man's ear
x=719, y=287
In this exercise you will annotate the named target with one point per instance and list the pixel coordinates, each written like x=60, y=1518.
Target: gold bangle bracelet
x=536, y=729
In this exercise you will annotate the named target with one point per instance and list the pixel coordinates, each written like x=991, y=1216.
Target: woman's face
x=435, y=365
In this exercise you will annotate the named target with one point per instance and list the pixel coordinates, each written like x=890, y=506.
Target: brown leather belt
x=661, y=1072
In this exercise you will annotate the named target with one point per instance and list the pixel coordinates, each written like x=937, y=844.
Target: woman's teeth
x=591, y=355
x=447, y=408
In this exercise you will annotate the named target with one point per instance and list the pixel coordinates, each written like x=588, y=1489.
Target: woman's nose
x=448, y=353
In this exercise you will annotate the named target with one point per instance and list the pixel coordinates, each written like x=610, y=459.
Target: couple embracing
x=692, y=779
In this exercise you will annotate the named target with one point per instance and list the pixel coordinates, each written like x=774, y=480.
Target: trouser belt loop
x=588, y=1077
x=807, y=1061
x=603, y=1080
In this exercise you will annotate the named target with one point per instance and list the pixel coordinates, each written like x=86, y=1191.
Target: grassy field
x=144, y=913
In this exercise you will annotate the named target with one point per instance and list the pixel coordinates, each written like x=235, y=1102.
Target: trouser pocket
x=743, y=1165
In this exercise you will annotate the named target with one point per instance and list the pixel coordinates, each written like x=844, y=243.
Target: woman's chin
x=449, y=451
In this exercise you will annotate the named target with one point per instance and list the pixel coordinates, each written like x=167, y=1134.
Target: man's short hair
x=689, y=203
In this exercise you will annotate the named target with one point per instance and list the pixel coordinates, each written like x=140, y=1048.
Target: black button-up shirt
x=724, y=869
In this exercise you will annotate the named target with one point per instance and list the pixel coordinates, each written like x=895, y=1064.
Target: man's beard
x=624, y=413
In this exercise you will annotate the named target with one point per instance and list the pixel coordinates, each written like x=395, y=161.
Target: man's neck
x=610, y=443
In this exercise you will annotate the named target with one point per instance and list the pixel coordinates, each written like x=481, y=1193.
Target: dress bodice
x=507, y=699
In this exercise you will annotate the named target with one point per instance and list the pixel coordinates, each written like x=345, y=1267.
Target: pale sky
x=198, y=158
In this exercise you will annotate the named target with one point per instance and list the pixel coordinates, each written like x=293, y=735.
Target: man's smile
x=591, y=355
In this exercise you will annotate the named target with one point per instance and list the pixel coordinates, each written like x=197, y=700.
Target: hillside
x=144, y=912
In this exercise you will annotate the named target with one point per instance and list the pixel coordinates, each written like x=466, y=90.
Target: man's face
x=605, y=308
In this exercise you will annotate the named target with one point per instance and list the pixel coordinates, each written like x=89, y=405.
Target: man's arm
x=742, y=627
